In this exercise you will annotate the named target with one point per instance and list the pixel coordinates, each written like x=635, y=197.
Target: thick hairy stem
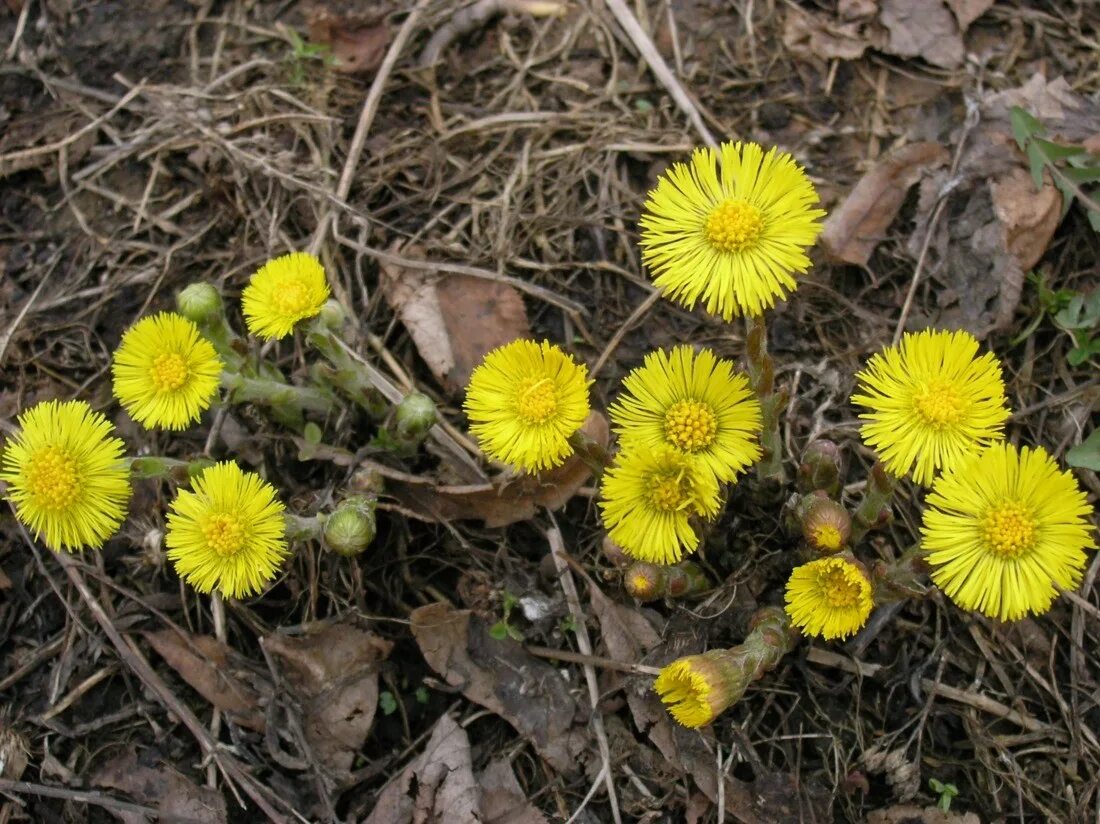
x=288, y=403
x=874, y=507
x=344, y=373
x=761, y=371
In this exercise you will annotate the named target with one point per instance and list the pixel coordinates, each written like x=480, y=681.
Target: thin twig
x=98, y=799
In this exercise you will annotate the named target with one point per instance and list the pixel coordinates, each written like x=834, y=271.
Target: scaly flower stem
x=159, y=467
x=875, y=502
x=899, y=580
x=761, y=371
x=595, y=456
x=288, y=403
x=343, y=372
x=299, y=528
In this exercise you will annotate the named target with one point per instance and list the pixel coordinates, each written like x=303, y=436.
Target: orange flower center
x=169, y=372
x=224, y=534
x=939, y=405
x=292, y=298
x=52, y=479
x=734, y=225
x=690, y=425
x=841, y=586
x=1008, y=530
x=537, y=400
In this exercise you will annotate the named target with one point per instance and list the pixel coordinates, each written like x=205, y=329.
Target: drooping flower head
x=66, y=475
x=932, y=400
x=830, y=597
x=730, y=228
x=1005, y=531
x=694, y=403
x=826, y=526
x=524, y=402
x=227, y=532
x=165, y=372
x=283, y=292
x=696, y=689
x=649, y=497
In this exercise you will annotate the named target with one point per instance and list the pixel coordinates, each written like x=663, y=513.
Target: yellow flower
x=1005, y=531
x=524, y=402
x=698, y=688
x=694, y=403
x=932, y=401
x=830, y=597
x=284, y=291
x=165, y=372
x=730, y=228
x=227, y=533
x=66, y=475
x=649, y=497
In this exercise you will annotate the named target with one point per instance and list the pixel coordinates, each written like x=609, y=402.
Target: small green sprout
x=946, y=792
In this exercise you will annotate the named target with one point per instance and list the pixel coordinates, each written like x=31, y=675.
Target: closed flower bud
x=415, y=415
x=333, y=315
x=826, y=526
x=820, y=468
x=351, y=527
x=643, y=581
x=199, y=302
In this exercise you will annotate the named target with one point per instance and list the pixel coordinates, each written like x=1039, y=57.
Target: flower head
x=524, y=402
x=165, y=372
x=649, y=497
x=730, y=228
x=830, y=597
x=283, y=292
x=228, y=532
x=698, y=688
x=826, y=526
x=66, y=475
x=1005, y=530
x=932, y=400
x=695, y=404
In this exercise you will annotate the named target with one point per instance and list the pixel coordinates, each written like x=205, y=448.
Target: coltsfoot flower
x=695, y=403
x=649, y=498
x=67, y=475
x=524, y=402
x=730, y=228
x=826, y=526
x=283, y=292
x=227, y=532
x=165, y=372
x=1005, y=531
x=932, y=400
x=830, y=597
x=698, y=688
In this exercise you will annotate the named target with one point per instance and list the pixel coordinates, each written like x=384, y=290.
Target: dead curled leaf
x=967, y=11
x=333, y=671
x=505, y=501
x=528, y=693
x=454, y=320
x=925, y=29
x=358, y=44
x=815, y=35
x=503, y=800
x=203, y=662
x=852, y=231
x=161, y=787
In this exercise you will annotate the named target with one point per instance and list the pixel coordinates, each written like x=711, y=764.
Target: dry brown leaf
x=503, y=502
x=161, y=787
x=967, y=11
x=813, y=34
x=528, y=693
x=453, y=319
x=853, y=230
x=203, y=662
x=503, y=800
x=333, y=671
x=911, y=814
x=1028, y=218
x=857, y=9
x=1066, y=116
x=438, y=786
x=925, y=29
x=358, y=43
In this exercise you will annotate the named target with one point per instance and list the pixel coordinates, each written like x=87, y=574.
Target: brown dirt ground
x=213, y=148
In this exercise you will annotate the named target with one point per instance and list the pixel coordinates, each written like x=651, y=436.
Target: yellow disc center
x=292, y=298
x=52, y=479
x=1008, y=530
x=536, y=400
x=690, y=425
x=669, y=491
x=938, y=405
x=841, y=588
x=169, y=372
x=827, y=538
x=734, y=225
x=224, y=534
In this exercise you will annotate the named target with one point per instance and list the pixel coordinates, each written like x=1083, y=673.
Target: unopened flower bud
x=820, y=468
x=648, y=582
x=333, y=315
x=351, y=527
x=643, y=581
x=826, y=526
x=199, y=302
x=414, y=416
